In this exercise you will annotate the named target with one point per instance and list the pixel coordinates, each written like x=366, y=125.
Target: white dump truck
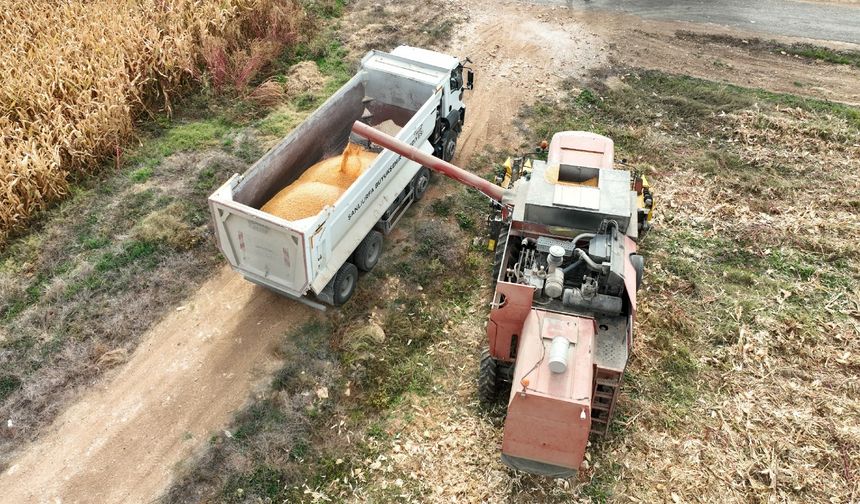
x=417, y=93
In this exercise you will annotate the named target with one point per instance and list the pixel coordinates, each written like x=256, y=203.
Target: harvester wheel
x=501, y=244
x=422, y=182
x=368, y=251
x=344, y=283
x=488, y=383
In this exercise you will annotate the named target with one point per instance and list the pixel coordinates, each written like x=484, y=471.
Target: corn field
x=75, y=74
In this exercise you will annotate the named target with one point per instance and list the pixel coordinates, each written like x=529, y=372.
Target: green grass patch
x=90, y=242
x=600, y=489
x=824, y=54
x=170, y=138
x=133, y=252
x=141, y=174
x=330, y=55
x=685, y=99
x=802, y=49
x=279, y=122
x=8, y=384
x=324, y=8
x=143, y=255
x=263, y=482
x=31, y=294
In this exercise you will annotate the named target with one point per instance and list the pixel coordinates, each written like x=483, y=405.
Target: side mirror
x=470, y=79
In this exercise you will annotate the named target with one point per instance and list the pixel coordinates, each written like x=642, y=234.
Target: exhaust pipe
x=492, y=191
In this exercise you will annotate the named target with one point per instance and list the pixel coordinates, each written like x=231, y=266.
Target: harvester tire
x=344, y=283
x=501, y=244
x=368, y=251
x=488, y=383
x=422, y=182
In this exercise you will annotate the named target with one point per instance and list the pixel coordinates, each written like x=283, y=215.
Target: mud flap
x=539, y=468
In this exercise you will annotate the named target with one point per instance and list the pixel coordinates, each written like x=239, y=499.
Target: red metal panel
x=549, y=414
x=506, y=320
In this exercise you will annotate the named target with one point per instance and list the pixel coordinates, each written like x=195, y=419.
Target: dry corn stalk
x=74, y=74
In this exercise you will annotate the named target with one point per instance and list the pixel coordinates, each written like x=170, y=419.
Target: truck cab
x=452, y=109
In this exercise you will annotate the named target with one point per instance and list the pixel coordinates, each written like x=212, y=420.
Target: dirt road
x=521, y=53
x=123, y=440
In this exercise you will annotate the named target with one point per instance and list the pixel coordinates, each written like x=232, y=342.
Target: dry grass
x=74, y=75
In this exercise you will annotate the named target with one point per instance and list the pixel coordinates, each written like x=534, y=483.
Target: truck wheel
x=449, y=145
x=422, y=182
x=368, y=251
x=488, y=388
x=344, y=283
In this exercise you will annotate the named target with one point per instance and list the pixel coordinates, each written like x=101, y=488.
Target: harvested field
x=76, y=75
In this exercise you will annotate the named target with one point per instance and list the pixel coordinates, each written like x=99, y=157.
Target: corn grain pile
x=321, y=185
x=74, y=74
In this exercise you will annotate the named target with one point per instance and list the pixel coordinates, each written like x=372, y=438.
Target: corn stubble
x=74, y=75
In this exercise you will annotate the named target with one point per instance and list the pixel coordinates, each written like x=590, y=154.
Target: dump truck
x=566, y=274
x=416, y=92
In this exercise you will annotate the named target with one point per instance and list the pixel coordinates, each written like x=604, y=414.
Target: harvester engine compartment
x=584, y=275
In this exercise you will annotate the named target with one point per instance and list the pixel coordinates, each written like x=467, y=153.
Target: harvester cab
x=566, y=275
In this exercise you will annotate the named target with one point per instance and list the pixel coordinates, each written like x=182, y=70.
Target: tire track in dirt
x=122, y=441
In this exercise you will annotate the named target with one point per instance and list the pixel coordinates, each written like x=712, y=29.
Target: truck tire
x=422, y=182
x=449, y=145
x=368, y=251
x=344, y=283
x=488, y=383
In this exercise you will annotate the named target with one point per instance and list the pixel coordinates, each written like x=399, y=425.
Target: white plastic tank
x=558, y=352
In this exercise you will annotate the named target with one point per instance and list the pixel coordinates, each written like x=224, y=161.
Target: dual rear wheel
x=365, y=258
x=368, y=252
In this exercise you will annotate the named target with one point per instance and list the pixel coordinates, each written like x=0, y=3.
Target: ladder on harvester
x=607, y=382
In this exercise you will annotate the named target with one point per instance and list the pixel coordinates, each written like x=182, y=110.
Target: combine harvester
x=566, y=272
x=566, y=276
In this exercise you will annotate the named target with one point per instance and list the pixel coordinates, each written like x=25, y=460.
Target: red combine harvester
x=566, y=275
